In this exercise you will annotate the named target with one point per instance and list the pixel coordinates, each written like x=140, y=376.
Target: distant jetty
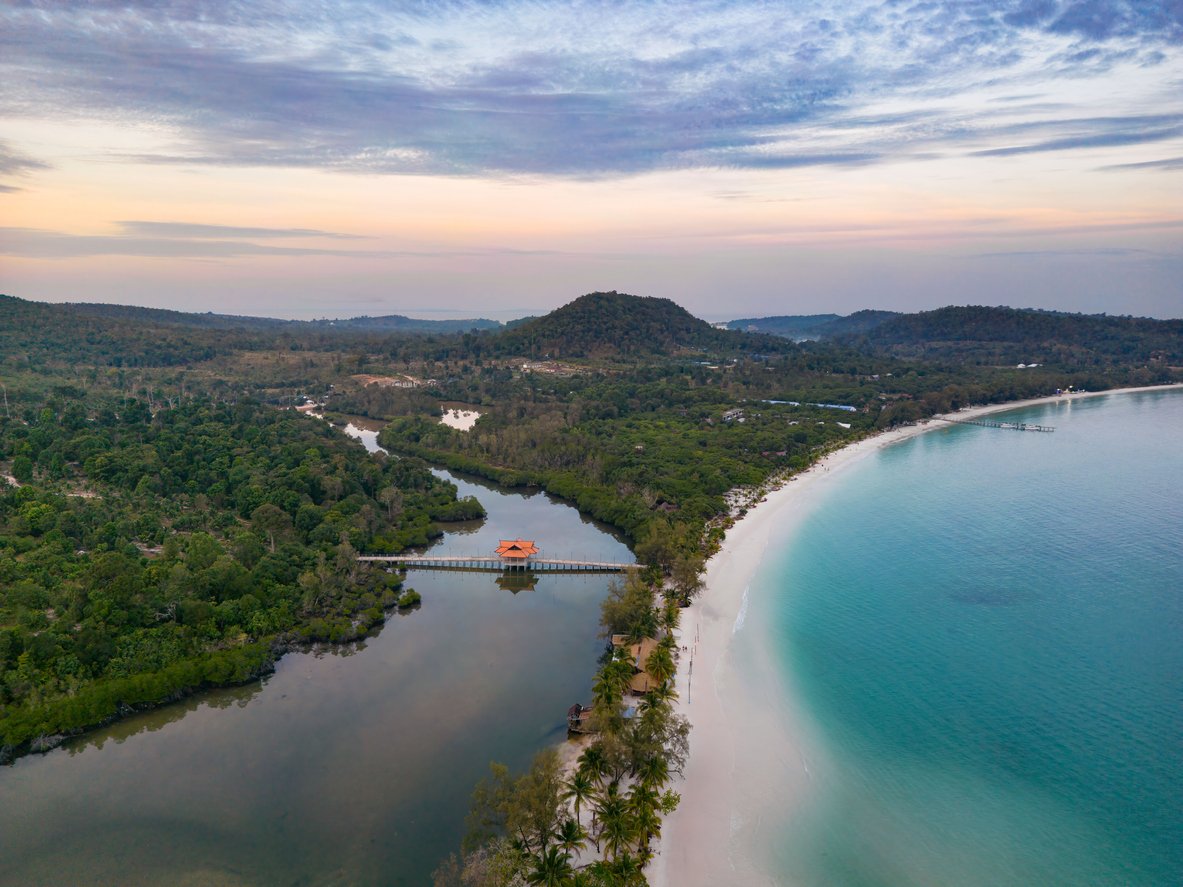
x=1009, y=426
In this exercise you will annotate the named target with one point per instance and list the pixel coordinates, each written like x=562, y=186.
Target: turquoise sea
x=984, y=632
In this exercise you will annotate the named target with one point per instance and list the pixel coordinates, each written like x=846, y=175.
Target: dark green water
x=345, y=766
x=985, y=629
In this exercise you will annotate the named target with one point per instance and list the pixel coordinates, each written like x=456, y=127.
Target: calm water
x=344, y=767
x=986, y=632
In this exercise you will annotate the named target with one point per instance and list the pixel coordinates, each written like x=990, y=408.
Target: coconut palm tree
x=660, y=665
x=654, y=771
x=552, y=868
x=617, y=824
x=578, y=789
x=626, y=870
x=642, y=804
x=593, y=763
x=571, y=836
x=660, y=696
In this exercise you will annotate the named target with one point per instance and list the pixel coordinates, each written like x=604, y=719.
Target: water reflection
x=158, y=718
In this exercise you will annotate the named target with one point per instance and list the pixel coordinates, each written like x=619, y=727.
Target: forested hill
x=89, y=325
x=616, y=324
x=1004, y=335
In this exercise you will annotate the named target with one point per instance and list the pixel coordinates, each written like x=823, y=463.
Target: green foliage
x=181, y=548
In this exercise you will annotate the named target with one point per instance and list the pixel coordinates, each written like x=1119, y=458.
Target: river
x=348, y=765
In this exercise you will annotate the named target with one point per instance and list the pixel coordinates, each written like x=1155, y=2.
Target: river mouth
x=347, y=765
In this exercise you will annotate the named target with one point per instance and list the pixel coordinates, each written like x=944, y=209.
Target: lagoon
x=348, y=765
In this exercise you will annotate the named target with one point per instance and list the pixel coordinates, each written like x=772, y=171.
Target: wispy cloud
x=15, y=163
x=42, y=244
x=1167, y=164
x=572, y=88
x=1095, y=140
x=198, y=231
x=200, y=243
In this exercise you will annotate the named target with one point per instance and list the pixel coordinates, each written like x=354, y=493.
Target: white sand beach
x=744, y=752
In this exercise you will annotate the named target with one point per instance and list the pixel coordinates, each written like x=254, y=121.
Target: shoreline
x=705, y=840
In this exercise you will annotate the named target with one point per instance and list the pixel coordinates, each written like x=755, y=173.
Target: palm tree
x=617, y=825
x=552, y=868
x=659, y=696
x=670, y=615
x=593, y=763
x=571, y=836
x=606, y=694
x=642, y=804
x=626, y=870
x=578, y=789
x=654, y=771
x=660, y=665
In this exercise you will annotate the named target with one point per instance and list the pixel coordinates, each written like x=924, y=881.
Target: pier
x=1009, y=426
x=486, y=564
x=511, y=556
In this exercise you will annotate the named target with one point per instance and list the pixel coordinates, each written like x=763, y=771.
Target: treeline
x=144, y=554
x=986, y=335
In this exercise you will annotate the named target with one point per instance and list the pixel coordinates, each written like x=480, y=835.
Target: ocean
x=983, y=633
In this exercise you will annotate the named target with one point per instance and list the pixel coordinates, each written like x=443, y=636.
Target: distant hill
x=124, y=335
x=1005, y=335
x=800, y=327
x=617, y=324
x=389, y=323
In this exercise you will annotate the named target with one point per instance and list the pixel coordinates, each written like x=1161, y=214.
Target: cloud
x=199, y=242
x=1170, y=164
x=38, y=243
x=1106, y=252
x=1098, y=140
x=575, y=89
x=13, y=162
x=188, y=229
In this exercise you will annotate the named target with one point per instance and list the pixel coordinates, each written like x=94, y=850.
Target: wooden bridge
x=988, y=423
x=486, y=564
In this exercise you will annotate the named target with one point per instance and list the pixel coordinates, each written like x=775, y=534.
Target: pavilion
x=516, y=553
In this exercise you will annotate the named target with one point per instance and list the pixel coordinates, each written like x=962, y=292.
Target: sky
x=498, y=159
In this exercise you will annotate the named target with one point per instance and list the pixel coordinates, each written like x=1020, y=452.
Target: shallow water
x=348, y=766
x=982, y=629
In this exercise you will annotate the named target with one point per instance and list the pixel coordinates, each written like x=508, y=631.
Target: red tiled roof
x=517, y=548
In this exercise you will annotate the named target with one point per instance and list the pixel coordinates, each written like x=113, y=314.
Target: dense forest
x=145, y=554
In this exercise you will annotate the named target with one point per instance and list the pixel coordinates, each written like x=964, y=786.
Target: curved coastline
x=732, y=757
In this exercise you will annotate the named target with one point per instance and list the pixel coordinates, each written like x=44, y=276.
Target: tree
x=579, y=788
x=392, y=498
x=527, y=809
x=617, y=825
x=271, y=521
x=628, y=608
x=552, y=868
x=571, y=836
x=660, y=664
x=22, y=469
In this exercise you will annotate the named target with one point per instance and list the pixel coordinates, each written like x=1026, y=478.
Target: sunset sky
x=497, y=159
